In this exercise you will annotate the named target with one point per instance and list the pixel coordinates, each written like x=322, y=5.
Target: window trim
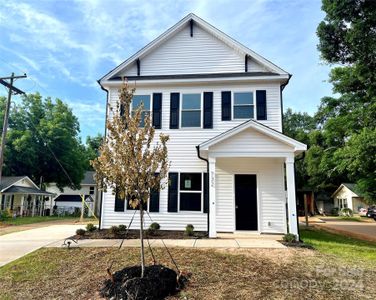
x=233, y=92
x=201, y=93
x=193, y=192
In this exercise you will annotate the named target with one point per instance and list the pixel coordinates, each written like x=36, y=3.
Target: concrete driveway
x=18, y=244
x=361, y=230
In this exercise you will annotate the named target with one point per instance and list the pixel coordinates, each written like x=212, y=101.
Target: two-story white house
x=232, y=168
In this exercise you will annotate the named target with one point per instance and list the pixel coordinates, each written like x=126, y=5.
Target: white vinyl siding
x=183, y=54
x=270, y=192
x=273, y=99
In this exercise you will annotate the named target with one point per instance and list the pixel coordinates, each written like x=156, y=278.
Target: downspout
x=281, y=89
x=207, y=184
x=105, y=134
x=296, y=193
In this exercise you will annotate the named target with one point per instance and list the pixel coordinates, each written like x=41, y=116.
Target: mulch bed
x=135, y=234
x=158, y=282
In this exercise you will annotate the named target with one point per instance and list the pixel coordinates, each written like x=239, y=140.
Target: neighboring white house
x=347, y=196
x=69, y=200
x=20, y=196
x=221, y=105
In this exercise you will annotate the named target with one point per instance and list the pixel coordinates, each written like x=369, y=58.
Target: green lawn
x=31, y=220
x=341, y=246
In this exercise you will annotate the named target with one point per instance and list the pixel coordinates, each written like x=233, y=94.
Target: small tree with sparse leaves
x=130, y=164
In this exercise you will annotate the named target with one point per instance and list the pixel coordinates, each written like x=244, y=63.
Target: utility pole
x=15, y=91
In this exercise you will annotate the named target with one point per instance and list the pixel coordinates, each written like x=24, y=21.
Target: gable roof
x=298, y=146
x=8, y=181
x=351, y=186
x=88, y=178
x=206, y=26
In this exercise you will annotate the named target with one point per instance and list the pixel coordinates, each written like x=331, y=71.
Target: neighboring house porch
x=20, y=196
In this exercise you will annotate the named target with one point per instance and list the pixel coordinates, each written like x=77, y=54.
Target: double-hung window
x=190, y=191
x=244, y=107
x=191, y=110
x=136, y=102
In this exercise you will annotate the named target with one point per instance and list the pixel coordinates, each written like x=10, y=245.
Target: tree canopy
x=40, y=132
x=342, y=142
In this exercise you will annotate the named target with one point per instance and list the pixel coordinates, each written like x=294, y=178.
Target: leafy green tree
x=347, y=38
x=298, y=126
x=92, y=149
x=40, y=132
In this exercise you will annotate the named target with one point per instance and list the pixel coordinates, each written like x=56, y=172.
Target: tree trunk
x=142, y=240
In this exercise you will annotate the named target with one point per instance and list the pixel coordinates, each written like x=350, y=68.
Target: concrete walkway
x=17, y=244
x=185, y=243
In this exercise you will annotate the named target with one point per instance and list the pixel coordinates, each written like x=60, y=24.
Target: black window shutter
x=206, y=193
x=12, y=202
x=157, y=110
x=226, y=106
x=208, y=109
x=173, y=192
x=174, y=110
x=154, y=199
x=261, y=105
x=119, y=203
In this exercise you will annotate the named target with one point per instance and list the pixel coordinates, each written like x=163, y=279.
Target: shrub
x=90, y=227
x=3, y=215
x=289, y=238
x=122, y=227
x=153, y=228
x=189, y=230
x=114, y=230
x=80, y=232
x=346, y=212
x=335, y=211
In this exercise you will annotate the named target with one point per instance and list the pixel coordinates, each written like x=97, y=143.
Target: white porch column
x=22, y=205
x=33, y=207
x=291, y=197
x=212, y=200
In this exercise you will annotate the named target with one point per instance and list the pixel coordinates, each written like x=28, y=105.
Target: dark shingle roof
x=71, y=198
x=16, y=189
x=8, y=181
x=89, y=178
x=353, y=187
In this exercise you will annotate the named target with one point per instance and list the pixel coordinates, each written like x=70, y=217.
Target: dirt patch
x=135, y=234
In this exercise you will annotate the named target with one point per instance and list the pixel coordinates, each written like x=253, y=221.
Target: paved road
x=18, y=244
x=362, y=230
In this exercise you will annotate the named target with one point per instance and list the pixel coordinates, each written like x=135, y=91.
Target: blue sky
x=65, y=46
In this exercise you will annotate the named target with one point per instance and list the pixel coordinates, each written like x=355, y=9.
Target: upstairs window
x=244, y=106
x=191, y=110
x=136, y=102
x=91, y=191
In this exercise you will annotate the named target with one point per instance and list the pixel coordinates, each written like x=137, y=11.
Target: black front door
x=246, y=202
